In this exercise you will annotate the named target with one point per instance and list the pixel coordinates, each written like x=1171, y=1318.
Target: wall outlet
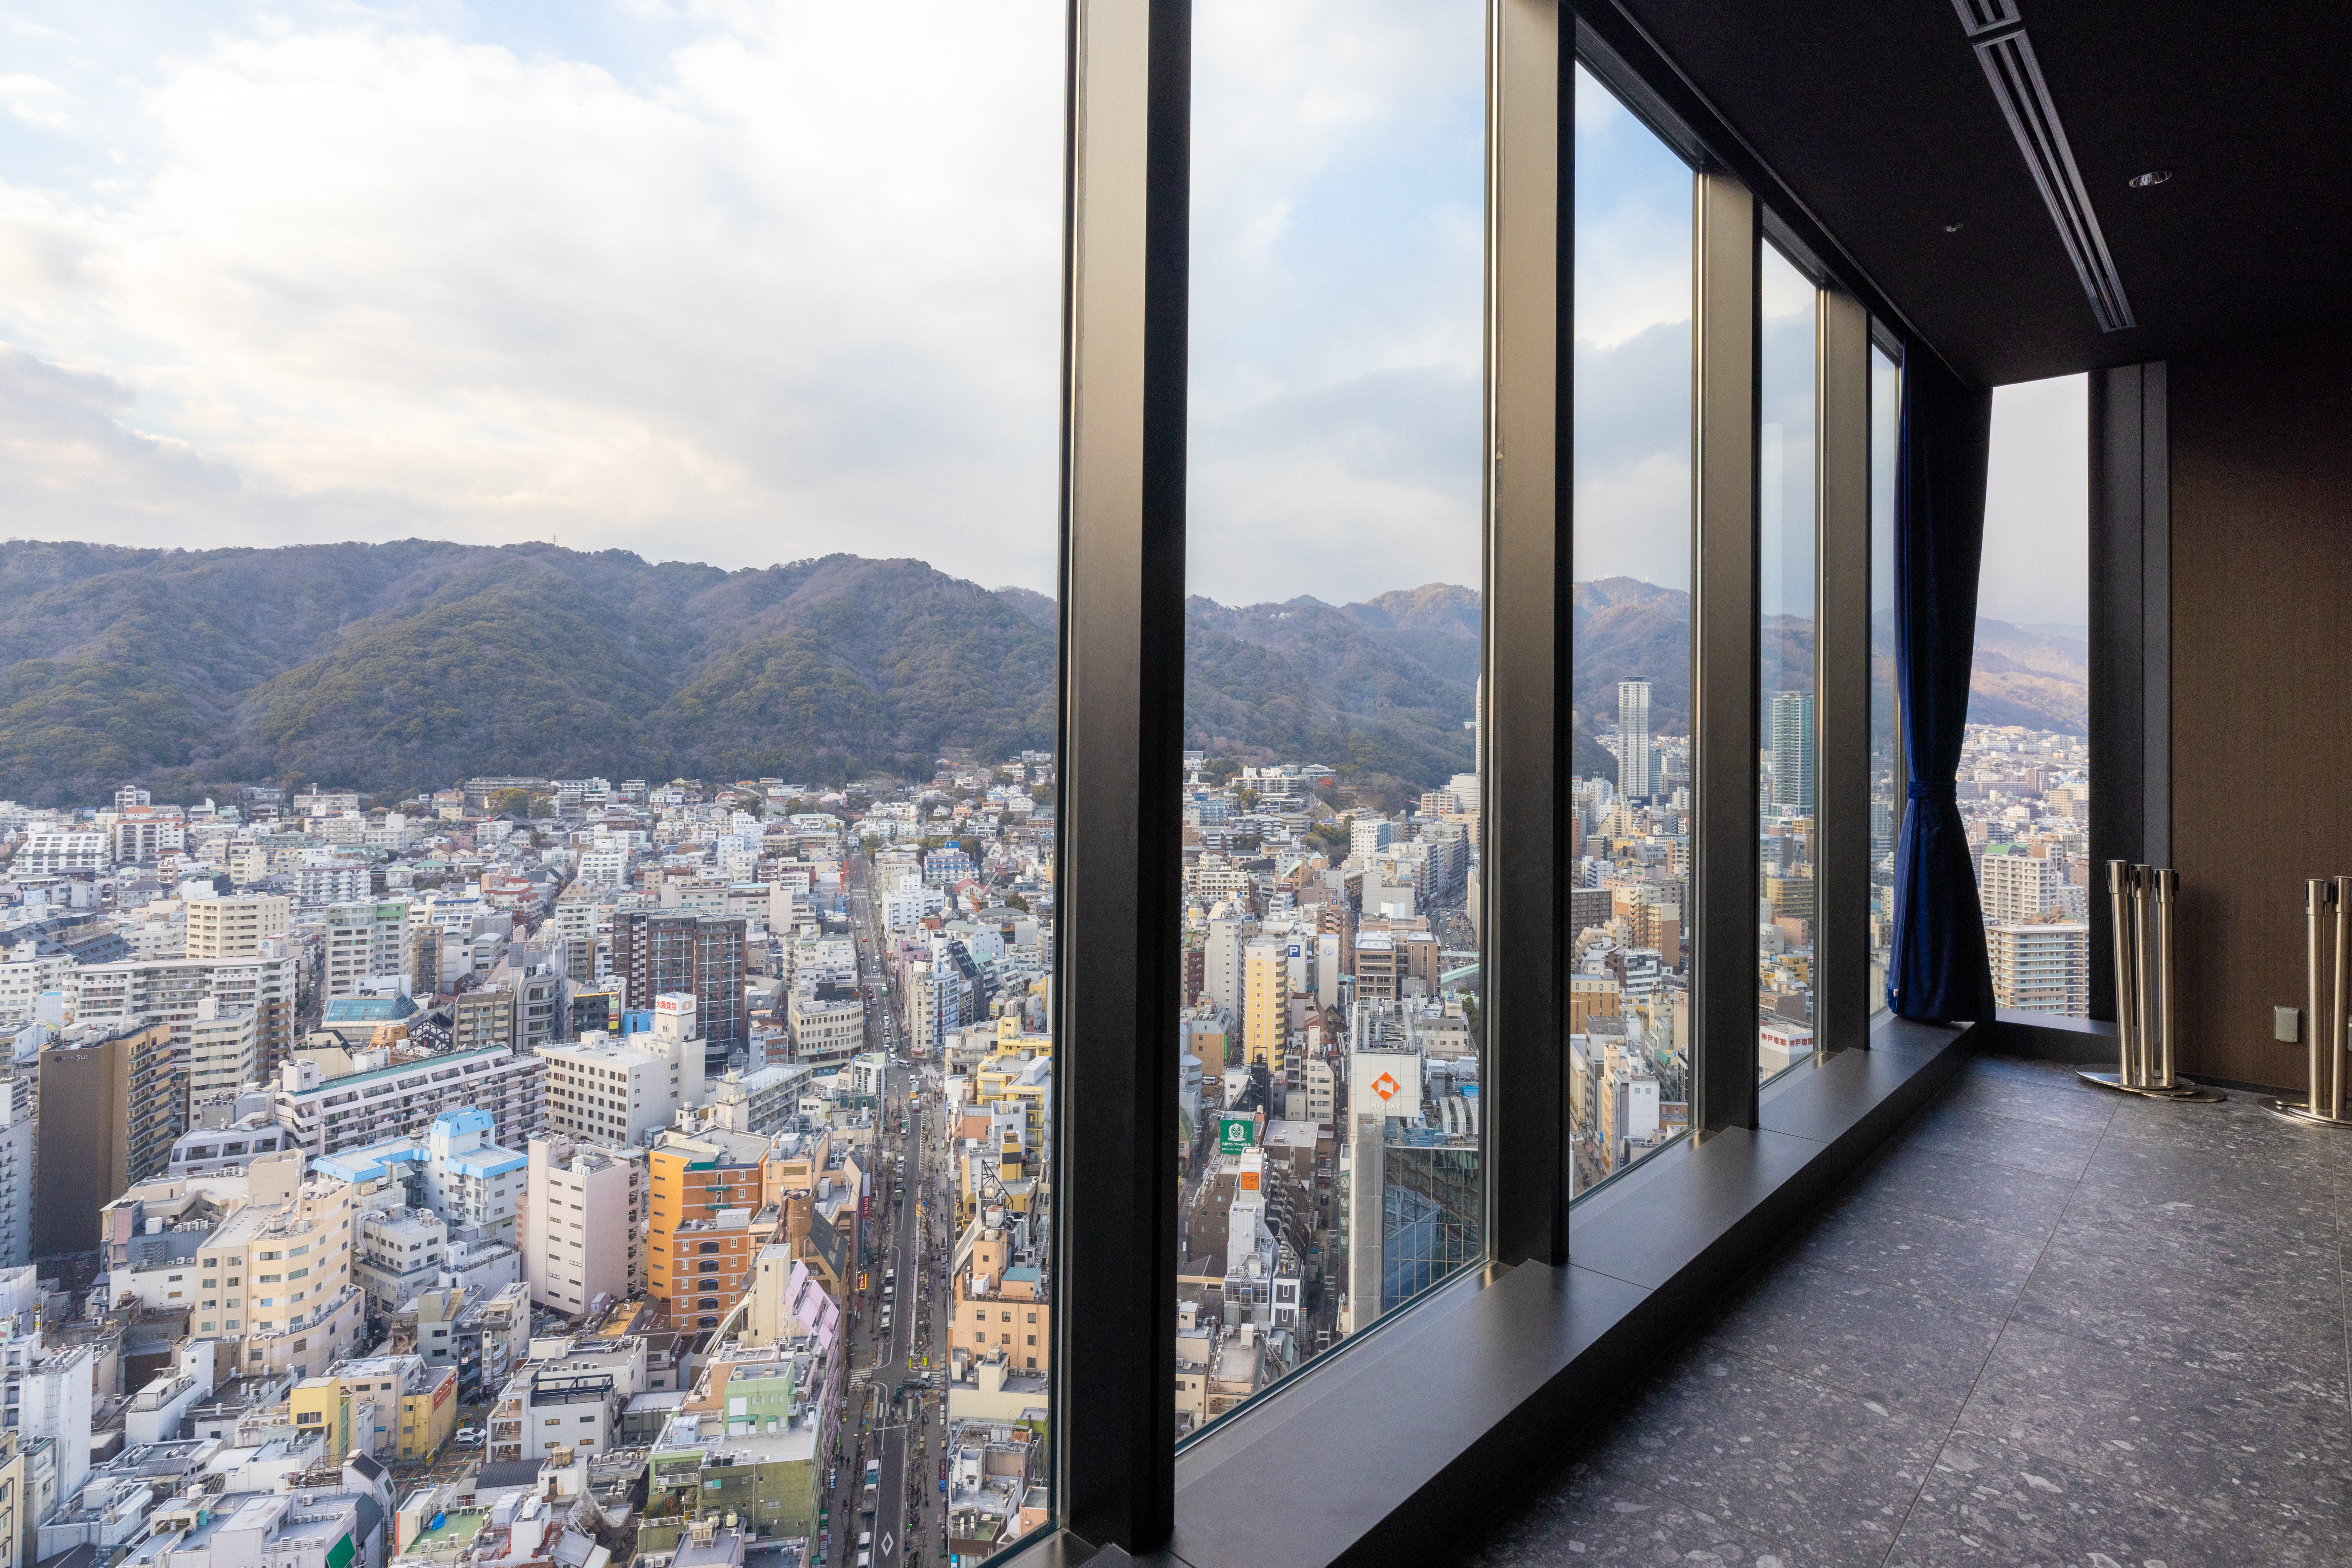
x=2286, y=1024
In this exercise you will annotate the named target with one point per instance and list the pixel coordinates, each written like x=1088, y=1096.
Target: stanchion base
x=2301, y=1111
x=2179, y=1088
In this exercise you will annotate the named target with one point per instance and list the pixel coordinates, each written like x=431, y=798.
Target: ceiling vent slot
x=1986, y=16
x=2016, y=77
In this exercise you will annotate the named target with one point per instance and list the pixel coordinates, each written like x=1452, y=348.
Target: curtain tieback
x=1945, y=793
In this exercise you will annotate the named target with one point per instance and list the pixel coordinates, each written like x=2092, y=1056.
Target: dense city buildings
x=516, y=1103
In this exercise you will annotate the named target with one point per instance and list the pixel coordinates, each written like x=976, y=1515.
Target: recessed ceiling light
x=2153, y=177
x=1951, y=228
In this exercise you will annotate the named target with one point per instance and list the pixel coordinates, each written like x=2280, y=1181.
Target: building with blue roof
x=458, y=1171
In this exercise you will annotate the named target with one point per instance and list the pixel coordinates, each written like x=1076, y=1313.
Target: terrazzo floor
x=2047, y=1325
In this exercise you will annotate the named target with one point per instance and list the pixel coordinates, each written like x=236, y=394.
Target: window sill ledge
x=1395, y=1447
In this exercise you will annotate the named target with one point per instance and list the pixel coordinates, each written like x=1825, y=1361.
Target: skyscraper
x=1792, y=751
x=1634, y=758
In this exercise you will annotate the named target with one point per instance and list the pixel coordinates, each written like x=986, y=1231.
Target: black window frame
x=1576, y=1293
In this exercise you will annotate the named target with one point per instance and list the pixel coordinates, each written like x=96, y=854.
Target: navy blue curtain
x=1937, y=969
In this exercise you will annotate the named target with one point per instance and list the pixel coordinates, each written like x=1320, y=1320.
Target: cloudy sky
x=747, y=282
x=730, y=282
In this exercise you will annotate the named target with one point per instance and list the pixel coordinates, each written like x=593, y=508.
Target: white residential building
x=236, y=926
x=223, y=1050
x=623, y=1091
x=54, y=852
x=367, y=940
x=136, y=991
x=26, y=975
x=582, y=1223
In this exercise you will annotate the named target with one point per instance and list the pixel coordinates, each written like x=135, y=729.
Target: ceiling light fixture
x=2153, y=177
x=1951, y=228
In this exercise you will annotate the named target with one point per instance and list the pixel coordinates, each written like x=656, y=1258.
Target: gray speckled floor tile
x=2061, y=1102
x=2195, y=1241
x=2237, y=1130
x=1990, y=1503
x=1968, y=1189
x=2046, y=1077
x=1591, y=1517
x=2285, y=1345
x=1891, y=1345
x=2208, y=1441
x=1826, y=1475
x=1975, y=1132
x=2129, y=1176
x=1974, y=1267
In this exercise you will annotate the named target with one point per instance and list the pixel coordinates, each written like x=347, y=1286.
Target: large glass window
x=1787, y=532
x=1329, y=1054
x=1888, y=785
x=535, y=531
x=1629, y=996
x=2025, y=770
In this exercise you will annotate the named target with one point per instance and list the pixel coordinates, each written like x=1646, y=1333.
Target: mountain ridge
x=400, y=666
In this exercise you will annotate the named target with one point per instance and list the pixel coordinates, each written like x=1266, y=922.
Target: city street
x=894, y=1408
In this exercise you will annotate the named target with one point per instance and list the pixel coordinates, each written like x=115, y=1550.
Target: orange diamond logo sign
x=1386, y=1087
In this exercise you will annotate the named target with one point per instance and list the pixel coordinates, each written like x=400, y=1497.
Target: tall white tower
x=1635, y=756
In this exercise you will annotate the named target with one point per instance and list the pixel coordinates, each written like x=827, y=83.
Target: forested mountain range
x=410, y=665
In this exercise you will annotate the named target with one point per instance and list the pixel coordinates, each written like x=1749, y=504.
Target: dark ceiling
x=1876, y=114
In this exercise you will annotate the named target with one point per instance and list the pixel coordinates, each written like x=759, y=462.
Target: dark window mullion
x=1118, y=884
x=1723, y=655
x=1841, y=1004
x=1525, y=766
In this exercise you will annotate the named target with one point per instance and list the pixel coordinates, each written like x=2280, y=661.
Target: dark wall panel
x=2261, y=682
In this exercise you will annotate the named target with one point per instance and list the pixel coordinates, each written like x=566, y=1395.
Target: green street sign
x=1236, y=1134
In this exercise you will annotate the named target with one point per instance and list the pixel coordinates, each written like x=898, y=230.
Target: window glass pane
x=1786, y=533
x=1886, y=782
x=535, y=530
x=1629, y=998
x=2025, y=770
x=1329, y=1057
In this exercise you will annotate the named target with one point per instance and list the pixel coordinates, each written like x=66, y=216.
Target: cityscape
x=669, y=1167
x=672, y=1162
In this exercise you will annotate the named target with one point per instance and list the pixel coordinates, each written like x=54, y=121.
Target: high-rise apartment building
x=1635, y=758
x=136, y=991
x=367, y=940
x=110, y=1109
x=236, y=925
x=224, y=1051
x=2041, y=965
x=2014, y=888
x=659, y=951
x=1266, y=1003
x=1792, y=751
x=1220, y=961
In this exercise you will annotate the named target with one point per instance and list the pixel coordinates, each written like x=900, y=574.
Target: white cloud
x=1337, y=246
x=35, y=100
x=798, y=294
